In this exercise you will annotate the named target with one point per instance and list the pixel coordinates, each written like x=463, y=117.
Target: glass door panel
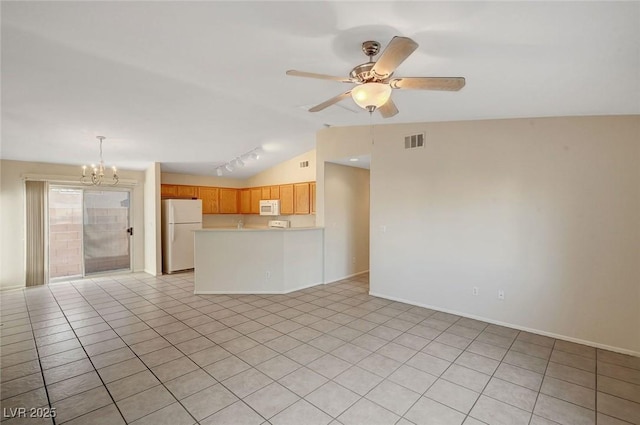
x=65, y=232
x=106, y=235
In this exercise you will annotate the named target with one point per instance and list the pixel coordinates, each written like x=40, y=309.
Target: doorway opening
x=89, y=231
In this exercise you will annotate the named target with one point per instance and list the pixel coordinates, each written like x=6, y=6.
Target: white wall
x=153, y=225
x=12, y=218
x=346, y=216
x=546, y=209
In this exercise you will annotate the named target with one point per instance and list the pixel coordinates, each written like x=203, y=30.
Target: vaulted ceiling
x=195, y=84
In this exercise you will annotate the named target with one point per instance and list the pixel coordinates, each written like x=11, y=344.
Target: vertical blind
x=36, y=193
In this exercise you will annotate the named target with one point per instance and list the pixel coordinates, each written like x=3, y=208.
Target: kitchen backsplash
x=231, y=220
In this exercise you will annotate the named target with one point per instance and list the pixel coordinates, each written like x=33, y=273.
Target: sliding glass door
x=106, y=231
x=89, y=231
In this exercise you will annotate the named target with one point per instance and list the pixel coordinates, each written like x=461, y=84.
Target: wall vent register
x=304, y=164
x=414, y=141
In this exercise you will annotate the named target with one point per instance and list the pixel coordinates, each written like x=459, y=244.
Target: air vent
x=304, y=164
x=414, y=141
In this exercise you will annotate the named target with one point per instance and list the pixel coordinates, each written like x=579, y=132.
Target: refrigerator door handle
x=172, y=231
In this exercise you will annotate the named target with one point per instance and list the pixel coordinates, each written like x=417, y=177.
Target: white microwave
x=270, y=207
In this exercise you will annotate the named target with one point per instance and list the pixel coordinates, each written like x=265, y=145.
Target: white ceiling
x=195, y=84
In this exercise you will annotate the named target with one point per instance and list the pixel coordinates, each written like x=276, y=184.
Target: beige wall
x=153, y=225
x=193, y=180
x=12, y=214
x=346, y=221
x=547, y=210
x=286, y=172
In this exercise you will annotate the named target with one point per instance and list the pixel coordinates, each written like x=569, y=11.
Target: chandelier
x=96, y=177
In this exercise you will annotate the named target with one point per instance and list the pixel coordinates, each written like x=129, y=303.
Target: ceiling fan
x=374, y=81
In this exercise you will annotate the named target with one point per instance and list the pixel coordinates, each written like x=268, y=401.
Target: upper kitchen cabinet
x=256, y=196
x=301, y=198
x=275, y=192
x=228, y=201
x=178, y=191
x=266, y=193
x=286, y=199
x=245, y=201
x=189, y=192
x=210, y=199
x=168, y=191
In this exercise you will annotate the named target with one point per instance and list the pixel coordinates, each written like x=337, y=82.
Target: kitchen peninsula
x=258, y=261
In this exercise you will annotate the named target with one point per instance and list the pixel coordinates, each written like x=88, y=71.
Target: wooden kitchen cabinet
x=312, y=196
x=256, y=195
x=275, y=192
x=301, y=203
x=266, y=193
x=168, y=191
x=210, y=202
x=188, y=192
x=245, y=201
x=178, y=191
x=286, y=199
x=228, y=201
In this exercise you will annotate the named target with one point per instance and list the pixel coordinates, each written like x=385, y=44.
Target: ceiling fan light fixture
x=371, y=95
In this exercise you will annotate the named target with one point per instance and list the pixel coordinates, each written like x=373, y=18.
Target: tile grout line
x=44, y=383
x=360, y=297
x=90, y=361
x=542, y=383
x=184, y=354
x=145, y=365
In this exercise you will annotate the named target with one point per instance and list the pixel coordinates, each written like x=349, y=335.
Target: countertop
x=254, y=229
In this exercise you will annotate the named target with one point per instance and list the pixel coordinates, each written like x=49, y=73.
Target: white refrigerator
x=180, y=217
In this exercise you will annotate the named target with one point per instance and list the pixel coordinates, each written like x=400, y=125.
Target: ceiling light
x=353, y=159
x=371, y=96
x=97, y=172
x=239, y=161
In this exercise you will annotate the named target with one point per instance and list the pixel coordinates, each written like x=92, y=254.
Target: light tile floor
x=145, y=350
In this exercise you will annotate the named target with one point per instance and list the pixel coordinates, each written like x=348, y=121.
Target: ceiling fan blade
x=330, y=102
x=394, y=54
x=388, y=110
x=295, y=73
x=428, y=83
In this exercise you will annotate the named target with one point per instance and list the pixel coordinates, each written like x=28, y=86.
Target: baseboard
x=150, y=273
x=510, y=325
x=255, y=292
x=348, y=277
x=12, y=288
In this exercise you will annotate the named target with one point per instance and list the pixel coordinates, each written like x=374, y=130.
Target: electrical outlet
x=383, y=228
x=475, y=290
x=500, y=294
